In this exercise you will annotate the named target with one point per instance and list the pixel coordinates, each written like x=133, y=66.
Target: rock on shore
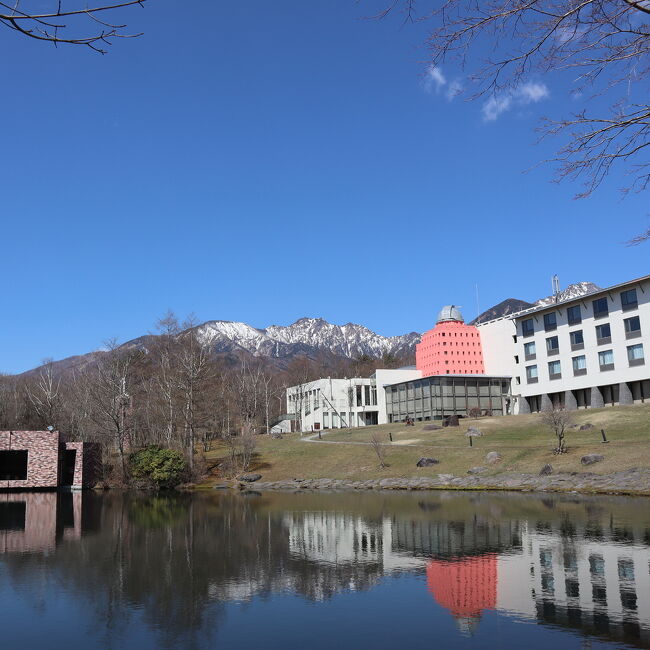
x=633, y=481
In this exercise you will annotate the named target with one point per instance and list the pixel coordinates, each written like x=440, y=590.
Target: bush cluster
x=165, y=468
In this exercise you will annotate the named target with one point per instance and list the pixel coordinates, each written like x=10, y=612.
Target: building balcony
x=637, y=362
x=557, y=375
x=636, y=334
x=605, y=340
x=530, y=357
x=607, y=366
x=552, y=353
x=579, y=371
x=577, y=346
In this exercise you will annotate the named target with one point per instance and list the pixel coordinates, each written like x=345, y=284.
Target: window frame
x=628, y=306
x=572, y=320
x=599, y=313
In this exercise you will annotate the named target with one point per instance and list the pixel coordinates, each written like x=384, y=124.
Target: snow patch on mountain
x=305, y=336
x=572, y=292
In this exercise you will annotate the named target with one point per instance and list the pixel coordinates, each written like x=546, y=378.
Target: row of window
x=635, y=357
x=603, y=337
x=599, y=307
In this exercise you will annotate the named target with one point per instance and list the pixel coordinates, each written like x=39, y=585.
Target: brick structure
x=43, y=459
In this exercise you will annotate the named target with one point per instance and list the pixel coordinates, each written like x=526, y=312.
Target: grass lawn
x=523, y=442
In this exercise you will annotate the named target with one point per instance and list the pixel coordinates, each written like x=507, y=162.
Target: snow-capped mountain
x=304, y=337
x=572, y=291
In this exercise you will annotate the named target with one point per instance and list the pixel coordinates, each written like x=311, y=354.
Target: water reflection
x=175, y=565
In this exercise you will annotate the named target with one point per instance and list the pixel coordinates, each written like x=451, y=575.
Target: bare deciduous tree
x=88, y=26
x=45, y=395
x=108, y=386
x=558, y=421
x=604, y=45
x=193, y=374
x=379, y=448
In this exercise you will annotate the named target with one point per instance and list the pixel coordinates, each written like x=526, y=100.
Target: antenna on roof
x=555, y=281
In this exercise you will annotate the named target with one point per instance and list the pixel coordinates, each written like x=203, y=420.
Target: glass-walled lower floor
x=432, y=398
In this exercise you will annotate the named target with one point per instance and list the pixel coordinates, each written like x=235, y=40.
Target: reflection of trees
x=175, y=560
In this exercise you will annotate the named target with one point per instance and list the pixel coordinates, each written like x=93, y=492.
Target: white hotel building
x=585, y=352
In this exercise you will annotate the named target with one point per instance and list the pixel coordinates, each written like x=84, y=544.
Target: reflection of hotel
x=597, y=580
x=582, y=576
x=36, y=521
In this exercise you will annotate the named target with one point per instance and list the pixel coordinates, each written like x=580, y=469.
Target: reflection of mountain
x=177, y=561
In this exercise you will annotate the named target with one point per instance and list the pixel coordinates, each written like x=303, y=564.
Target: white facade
x=334, y=403
x=587, y=351
x=342, y=403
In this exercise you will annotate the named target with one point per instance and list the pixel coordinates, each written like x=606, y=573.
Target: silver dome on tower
x=450, y=313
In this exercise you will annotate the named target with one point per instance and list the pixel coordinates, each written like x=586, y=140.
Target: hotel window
x=552, y=345
x=577, y=340
x=550, y=322
x=632, y=327
x=635, y=355
x=574, y=315
x=554, y=370
x=603, y=334
x=600, y=307
x=629, y=300
x=579, y=365
x=530, y=351
x=531, y=374
x=606, y=360
x=527, y=327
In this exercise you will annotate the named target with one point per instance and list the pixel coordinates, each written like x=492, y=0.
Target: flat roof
x=586, y=296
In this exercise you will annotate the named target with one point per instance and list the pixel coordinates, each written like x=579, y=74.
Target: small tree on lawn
x=379, y=449
x=558, y=420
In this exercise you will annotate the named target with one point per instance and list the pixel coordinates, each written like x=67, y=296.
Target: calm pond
x=324, y=570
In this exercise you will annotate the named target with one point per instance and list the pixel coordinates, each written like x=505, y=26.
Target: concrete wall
x=386, y=378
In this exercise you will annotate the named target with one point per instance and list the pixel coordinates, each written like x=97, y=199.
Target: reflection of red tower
x=465, y=587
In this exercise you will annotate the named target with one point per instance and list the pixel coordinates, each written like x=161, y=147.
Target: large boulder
x=546, y=470
x=590, y=459
x=587, y=426
x=427, y=462
x=493, y=457
x=250, y=478
x=450, y=421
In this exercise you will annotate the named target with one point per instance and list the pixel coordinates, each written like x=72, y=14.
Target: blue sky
x=261, y=162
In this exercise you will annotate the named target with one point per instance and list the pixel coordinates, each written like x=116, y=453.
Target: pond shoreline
x=631, y=482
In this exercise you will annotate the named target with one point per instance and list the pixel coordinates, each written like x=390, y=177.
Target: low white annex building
x=340, y=403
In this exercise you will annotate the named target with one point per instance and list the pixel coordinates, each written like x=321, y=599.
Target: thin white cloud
x=529, y=93
x=436, y=82
x=435, y=79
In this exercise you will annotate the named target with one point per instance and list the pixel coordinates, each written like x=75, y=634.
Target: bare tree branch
x=47, y=26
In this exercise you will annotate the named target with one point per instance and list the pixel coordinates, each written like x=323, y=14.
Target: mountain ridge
x=314, y=337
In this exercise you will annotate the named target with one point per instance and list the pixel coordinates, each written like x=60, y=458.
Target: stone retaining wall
x=633, y=481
